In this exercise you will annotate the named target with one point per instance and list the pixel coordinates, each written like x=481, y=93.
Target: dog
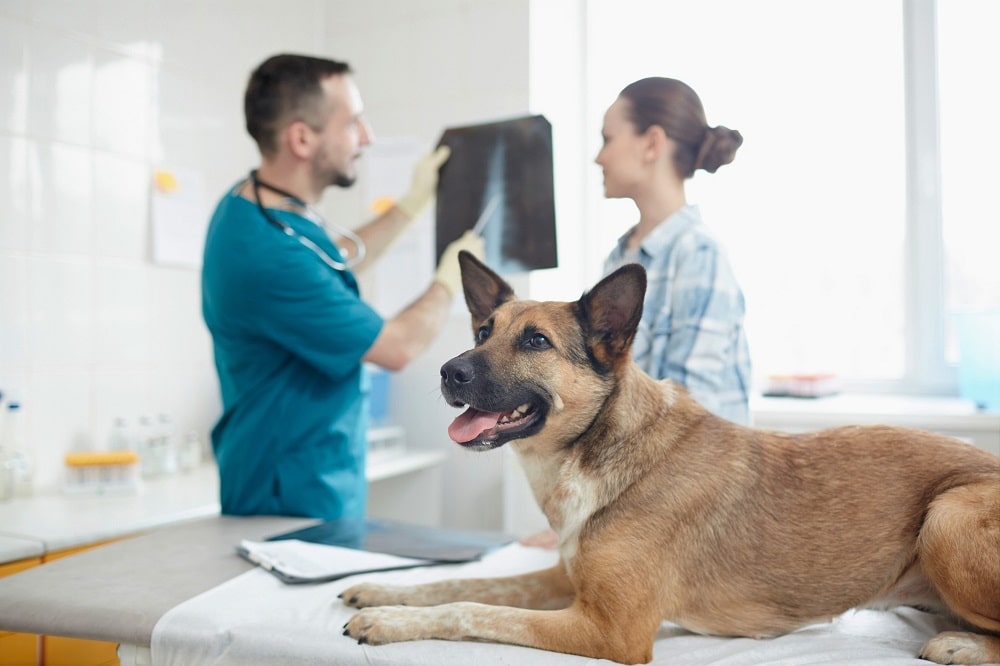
x=666, y=512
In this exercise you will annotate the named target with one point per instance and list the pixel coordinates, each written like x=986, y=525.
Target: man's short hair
x=283, y=89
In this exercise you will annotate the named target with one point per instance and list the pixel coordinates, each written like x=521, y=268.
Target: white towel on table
x=256, y=619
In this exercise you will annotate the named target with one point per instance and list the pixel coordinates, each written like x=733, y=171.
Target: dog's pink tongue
x=469, y=425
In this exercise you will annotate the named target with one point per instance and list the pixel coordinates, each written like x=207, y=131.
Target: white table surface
x=62, y=521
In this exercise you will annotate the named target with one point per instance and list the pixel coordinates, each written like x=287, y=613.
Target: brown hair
x=286, y=86
x=675, y=107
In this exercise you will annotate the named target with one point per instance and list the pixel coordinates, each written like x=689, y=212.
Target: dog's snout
x=457, y=371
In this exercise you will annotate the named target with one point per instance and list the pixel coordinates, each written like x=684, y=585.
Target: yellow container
x=100, y=472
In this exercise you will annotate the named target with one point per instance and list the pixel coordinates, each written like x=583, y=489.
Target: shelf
x=395, y=463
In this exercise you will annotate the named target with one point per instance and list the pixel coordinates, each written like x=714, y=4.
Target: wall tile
x=14, y=194
x=61, y=184
x=60, y=71
x=61, y=312
x=122, y=97
x=69, y=16
x=13, y=76
x=60, y=420
x=121, y=207
x=14, y=8
x=125, y=26
x=122, y=306
x=14, y=319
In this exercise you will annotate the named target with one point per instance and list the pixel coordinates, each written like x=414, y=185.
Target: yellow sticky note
x=382, y=204
x=166, y=181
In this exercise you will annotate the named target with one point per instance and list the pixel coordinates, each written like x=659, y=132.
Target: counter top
x=61, y=521
x=43, y=523
x=915, y=411
x=118, y=592
x=15, y=548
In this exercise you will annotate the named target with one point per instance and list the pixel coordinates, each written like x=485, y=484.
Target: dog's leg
x=548, y=589
x=959, y=545
x=578, y=629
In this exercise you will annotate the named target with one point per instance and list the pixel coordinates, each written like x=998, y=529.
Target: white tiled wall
x=94, y=94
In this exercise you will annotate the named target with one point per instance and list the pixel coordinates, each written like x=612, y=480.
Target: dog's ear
x=610, y=312
x=485, y=291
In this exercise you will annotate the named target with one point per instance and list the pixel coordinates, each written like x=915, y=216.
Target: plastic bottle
x=147, y=448
x=189, y=455
x=6, y=464
x=121, y=438
x=167, y=445
x=19, y=457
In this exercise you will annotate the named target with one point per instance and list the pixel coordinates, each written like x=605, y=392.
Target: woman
x=655, y=138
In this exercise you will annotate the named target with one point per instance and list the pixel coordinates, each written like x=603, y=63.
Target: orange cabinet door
x=19, y=649
x=60, y=651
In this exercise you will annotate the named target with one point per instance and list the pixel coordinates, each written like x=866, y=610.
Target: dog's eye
x=539, y=341
x=482, y=334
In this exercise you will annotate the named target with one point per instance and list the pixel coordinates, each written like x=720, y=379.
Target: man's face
x=344, y=133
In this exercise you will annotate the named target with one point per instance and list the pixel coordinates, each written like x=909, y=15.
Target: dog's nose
x=457, y=371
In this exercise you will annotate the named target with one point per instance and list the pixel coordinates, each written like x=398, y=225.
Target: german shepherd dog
x=666, y=512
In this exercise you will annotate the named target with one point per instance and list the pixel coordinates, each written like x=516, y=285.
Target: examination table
x=182, y=596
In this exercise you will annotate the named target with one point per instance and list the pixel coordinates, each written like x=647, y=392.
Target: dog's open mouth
x=476, y=427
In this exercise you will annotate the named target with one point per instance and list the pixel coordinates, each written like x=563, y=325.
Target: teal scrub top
x=289, y=333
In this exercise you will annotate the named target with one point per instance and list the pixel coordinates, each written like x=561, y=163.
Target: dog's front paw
x=371, y=594
x=958, y=647
x=385, y=624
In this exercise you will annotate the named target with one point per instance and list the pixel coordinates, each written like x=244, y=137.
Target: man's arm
x=384, y=229
x=406, y=335
x=409, y=333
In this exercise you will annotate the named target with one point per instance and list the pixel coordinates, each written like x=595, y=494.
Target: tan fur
x=666, y=512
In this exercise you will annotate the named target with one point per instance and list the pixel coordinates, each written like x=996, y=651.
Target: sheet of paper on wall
x=179, y=212
x=405, y=269
x=499, y=178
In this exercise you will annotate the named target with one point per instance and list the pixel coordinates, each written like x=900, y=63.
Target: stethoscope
x=313, y=215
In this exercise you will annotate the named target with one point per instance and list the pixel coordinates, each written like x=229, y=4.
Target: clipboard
x=295, y=562
x=337, y=549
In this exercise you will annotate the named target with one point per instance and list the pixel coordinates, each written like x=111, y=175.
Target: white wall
x=95, y=94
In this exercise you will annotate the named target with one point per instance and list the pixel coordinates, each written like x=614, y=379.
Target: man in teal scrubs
x=289, y=328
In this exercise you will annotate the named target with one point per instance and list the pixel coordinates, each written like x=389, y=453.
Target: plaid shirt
x=692, y=320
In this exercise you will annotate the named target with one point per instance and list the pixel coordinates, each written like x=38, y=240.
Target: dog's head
x=538, y=365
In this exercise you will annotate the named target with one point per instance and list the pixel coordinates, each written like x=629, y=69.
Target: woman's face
x=621, y=157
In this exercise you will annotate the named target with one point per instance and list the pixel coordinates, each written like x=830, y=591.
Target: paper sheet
x=179, y=212
x=295, y=561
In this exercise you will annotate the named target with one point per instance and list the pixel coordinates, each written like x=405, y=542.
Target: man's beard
x=328, y=175
x=343, y=180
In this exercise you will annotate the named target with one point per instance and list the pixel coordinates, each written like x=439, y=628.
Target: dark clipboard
x=501, y=173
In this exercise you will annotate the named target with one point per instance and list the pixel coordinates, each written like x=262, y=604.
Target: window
x=970, y=148
x=832, y=216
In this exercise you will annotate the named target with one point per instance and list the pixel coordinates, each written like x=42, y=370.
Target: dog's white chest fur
x=566, y=496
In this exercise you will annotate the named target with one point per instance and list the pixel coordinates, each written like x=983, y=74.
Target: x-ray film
x=499, y=181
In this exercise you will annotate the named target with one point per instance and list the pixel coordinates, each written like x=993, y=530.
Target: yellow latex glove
x=448, y=272
x=423, y=186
